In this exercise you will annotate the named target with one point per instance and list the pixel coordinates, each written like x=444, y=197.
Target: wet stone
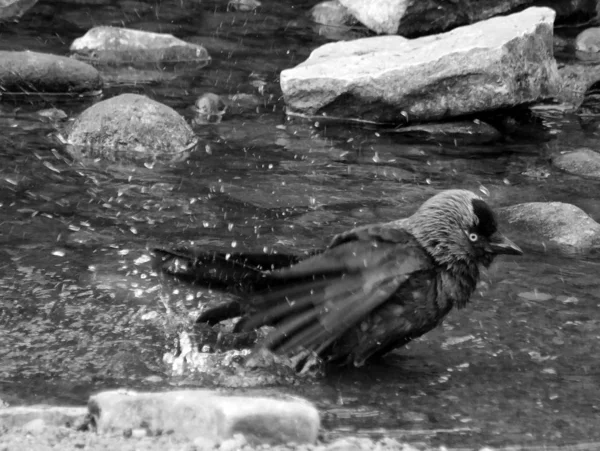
x=132, y=128
x=588, y=40
x=206, y=414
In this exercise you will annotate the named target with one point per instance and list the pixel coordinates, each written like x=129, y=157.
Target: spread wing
x=329, y=293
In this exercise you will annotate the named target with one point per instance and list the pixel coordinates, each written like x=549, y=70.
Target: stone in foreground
x=583, y=161
x=33, y=73
x=206, y=414
x=122, y=45
x=20, y=416
x=132, y=128
x=502, y=62
x=555, y=224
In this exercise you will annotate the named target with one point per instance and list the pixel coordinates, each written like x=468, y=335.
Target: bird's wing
x=329, y=293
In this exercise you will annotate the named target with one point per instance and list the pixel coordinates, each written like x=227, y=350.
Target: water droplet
x=208, y=149
x=230, y=226
x=428, y=181
x=484, y=190
x=234, y=244
x=227, y=256
x=59, y=253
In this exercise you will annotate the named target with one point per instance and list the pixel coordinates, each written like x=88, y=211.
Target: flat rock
x=113, y=45
x=21, y=416
x=501, y=62
x=579, y=162
x=206, y=414
x=460, y=132
x=555, y=224
x=33, y=73
x=133, y=128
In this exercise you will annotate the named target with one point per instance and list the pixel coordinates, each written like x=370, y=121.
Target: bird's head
x=458, y=227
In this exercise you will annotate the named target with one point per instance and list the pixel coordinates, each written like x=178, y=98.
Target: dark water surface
x=81, y=310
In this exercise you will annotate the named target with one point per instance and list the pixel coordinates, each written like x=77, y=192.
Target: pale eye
x=473, y=237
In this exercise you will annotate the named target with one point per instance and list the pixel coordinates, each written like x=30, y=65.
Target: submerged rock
x=209, y=107
x=33, y=73
x=18, y=417
x=563, y=226
x=502, y=62
x=113, y=45
x=207, y=414
x=130, y=127
x=579, y=162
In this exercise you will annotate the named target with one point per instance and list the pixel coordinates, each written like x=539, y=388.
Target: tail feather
x=234, y=272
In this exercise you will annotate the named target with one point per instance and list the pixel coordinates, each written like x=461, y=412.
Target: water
x=81, y=310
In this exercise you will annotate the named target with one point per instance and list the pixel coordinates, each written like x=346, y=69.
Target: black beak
x=499, y=244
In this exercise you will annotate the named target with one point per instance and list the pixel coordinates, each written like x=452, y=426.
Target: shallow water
x=81, y=310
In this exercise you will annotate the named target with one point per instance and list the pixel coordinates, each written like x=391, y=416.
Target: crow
x=373, y=289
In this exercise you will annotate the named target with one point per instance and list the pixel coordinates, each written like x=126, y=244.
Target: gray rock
x=122, y=45
x=132, y=128
x=206, y=414
x=13, y=9
x=19, y=417
x=35, y=73
x=558, y=225
x=588, y=40
x=579, y=162
x=502, y=62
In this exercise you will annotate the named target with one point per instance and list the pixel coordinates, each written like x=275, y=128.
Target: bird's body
x=374, y=289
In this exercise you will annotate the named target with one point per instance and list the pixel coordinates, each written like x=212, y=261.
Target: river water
x=81, y=309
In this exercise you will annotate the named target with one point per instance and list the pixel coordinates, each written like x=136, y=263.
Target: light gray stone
x=206, y=414
x=123, y=45
x=554, y=224
x=502, y=62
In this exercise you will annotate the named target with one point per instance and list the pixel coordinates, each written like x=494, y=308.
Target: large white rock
x=502, y=62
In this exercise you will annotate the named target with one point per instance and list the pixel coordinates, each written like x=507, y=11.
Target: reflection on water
x=81, y=310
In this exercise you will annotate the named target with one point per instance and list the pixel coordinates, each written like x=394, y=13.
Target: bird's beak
x=499, y=244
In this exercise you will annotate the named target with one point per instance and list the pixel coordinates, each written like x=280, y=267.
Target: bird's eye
x=473, y=237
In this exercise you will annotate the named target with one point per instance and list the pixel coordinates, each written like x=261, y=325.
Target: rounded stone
x=133, y=128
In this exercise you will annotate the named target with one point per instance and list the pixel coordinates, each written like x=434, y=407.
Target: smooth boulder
x=207, y=414
x=502, y=62
x=33, y=73
x=583, y=161
x=113, y=45
x=555, y=225
x=130, y=128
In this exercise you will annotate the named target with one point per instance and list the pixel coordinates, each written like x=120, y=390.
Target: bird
x=373, y=289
